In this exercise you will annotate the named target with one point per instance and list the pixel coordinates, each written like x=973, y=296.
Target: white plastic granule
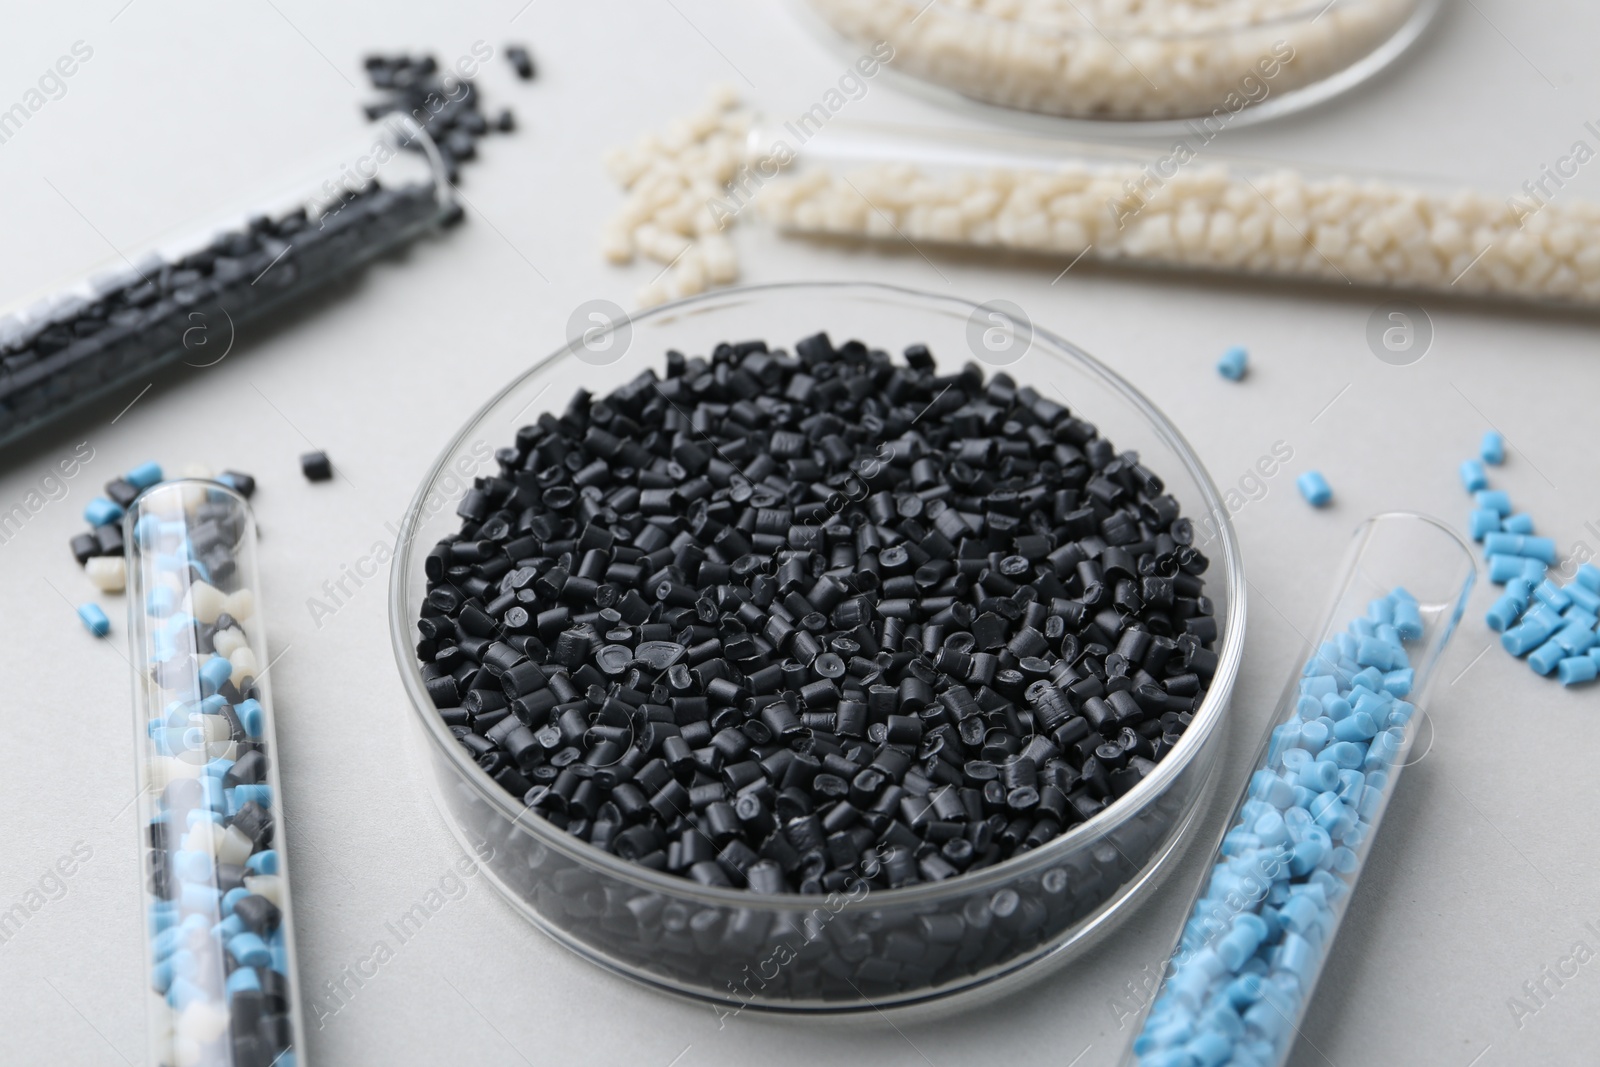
x=1281, y=223
x=108, y=573
x=672, y=179
x=1122, y=59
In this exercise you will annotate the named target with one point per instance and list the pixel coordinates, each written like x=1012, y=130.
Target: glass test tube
x=1247, y=961
x=1179, y=206
x=186, y=294
x=220, y=947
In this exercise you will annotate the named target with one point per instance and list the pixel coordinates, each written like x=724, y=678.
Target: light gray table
x=1484, y=872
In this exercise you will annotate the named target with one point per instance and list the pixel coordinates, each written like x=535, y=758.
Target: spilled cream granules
x=672, y=179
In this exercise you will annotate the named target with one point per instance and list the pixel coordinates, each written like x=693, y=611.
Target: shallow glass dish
x=1059, y=58
x=803, y=953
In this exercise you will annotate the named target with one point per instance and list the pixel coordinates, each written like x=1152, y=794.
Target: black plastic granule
x=520, y=61
x=774, y=613
x=244, y=484
x=316, y=466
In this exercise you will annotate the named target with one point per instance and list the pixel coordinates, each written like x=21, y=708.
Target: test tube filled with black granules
x=219, y=948
x=185, y=296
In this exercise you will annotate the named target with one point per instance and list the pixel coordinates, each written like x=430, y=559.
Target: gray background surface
x=1485, y=870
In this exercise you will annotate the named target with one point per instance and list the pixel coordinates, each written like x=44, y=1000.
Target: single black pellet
x=316, y=467
x=121, y=491
x=244, y=483
x=84, y=547
x=520, y=61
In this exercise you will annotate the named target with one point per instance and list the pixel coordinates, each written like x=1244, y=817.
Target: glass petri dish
x=1061, y=59
x=794, y=953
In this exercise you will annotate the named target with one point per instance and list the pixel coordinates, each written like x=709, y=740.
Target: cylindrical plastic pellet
x=1233, y=364
x=1550, y=593
x=1537, y=625
x=1249, y=956
x=220, y=950
x=1504, y=567
x=1547, y=657
x=1509, y=608
x=1484, y=521
x=1511, y=544
x=1314, y=487
x=1495, y=499
x=1581, y=596
x=1575, y=669
x=1588, y=576
x=94, y=619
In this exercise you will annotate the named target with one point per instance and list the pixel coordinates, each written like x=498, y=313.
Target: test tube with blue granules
x=1248, y=958
x=220, y=947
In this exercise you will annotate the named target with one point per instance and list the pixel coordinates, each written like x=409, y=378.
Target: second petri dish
x=1148, y=62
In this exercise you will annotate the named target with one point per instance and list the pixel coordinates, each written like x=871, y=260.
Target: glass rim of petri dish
x=1129, y=806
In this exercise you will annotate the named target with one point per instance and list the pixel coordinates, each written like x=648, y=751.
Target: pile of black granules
x=442, y=101
x=775, y=613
